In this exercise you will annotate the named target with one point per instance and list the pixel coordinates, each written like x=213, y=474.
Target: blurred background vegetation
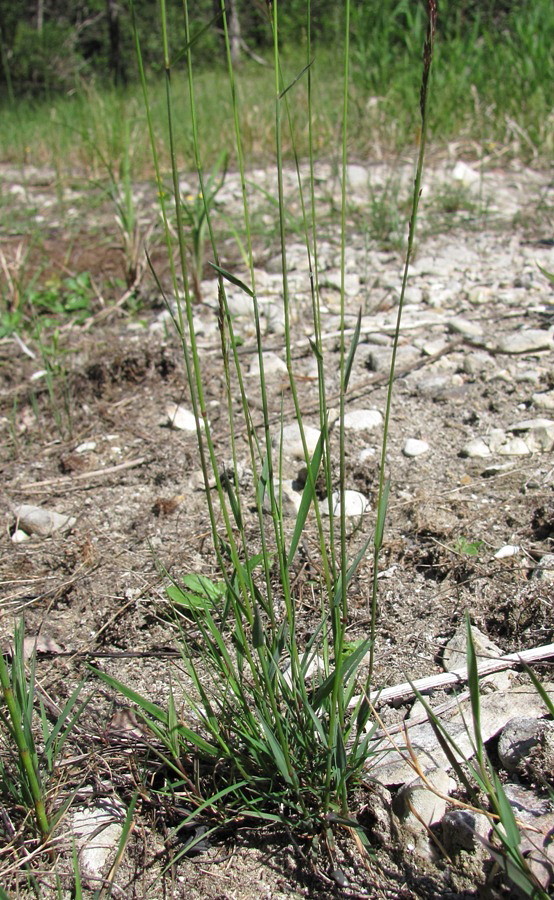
x=53, y=45
x=69, y=62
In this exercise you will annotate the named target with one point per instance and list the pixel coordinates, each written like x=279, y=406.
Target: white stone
x=358, y=176
x=19, y=536
x=475, y=449
x=86, y=447
x=366, y=454
x=506, y=551
x=355, y=504
x=98, y=833
x=544, y=400
x=292, y=442
x=531, y=424
x=495, y=438
x=436, y=345
x=239, y=303
x=539, y=434
x=529, y=341
x=465, y=327
x=413, y=447
x=285, y=493
x=464, y=174
x=181, y=418
x=273, y=365
x=514, y=447
x=363, y=419
x=36, y=520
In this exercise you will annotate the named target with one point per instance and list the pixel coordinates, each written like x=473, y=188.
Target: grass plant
x=32, y=744
x=260, y=720
x=266, y=711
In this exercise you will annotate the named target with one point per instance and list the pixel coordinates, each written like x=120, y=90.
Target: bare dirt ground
x=97, y=589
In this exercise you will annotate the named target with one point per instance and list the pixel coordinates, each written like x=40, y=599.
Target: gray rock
x=379, y=360
x=544, y=400
x=518, y=738
x=415, y=803
x=527, y=805
x=44, y=522
x=545, y=568
x=389, y=766
x=413, y=447
x=97, y=831
x=466, y=327
x=526, y=341
x=460, y=830
x=475, y=449
x=477, y=363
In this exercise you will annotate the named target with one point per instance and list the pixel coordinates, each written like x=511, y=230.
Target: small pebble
x=355, y=504
x=475, y=449
x=36, y=520
x=86, y=447
x=506, y=551
x=181, y=418
x=413, y=447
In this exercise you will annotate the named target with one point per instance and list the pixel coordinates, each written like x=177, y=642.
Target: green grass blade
x=295, y=80
x=276, y=752
x=540, y=690
x=511, y=831
x=352, y=352
x=233, y=279
x=308, y=495
x=474, y=694
x=382, y=515
x=341, y=672
x=351, y=571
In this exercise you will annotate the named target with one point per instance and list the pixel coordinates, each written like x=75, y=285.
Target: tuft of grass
x=266, y=711
x=32, y=745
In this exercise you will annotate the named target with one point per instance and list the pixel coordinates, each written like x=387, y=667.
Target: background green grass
x=492, y=84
